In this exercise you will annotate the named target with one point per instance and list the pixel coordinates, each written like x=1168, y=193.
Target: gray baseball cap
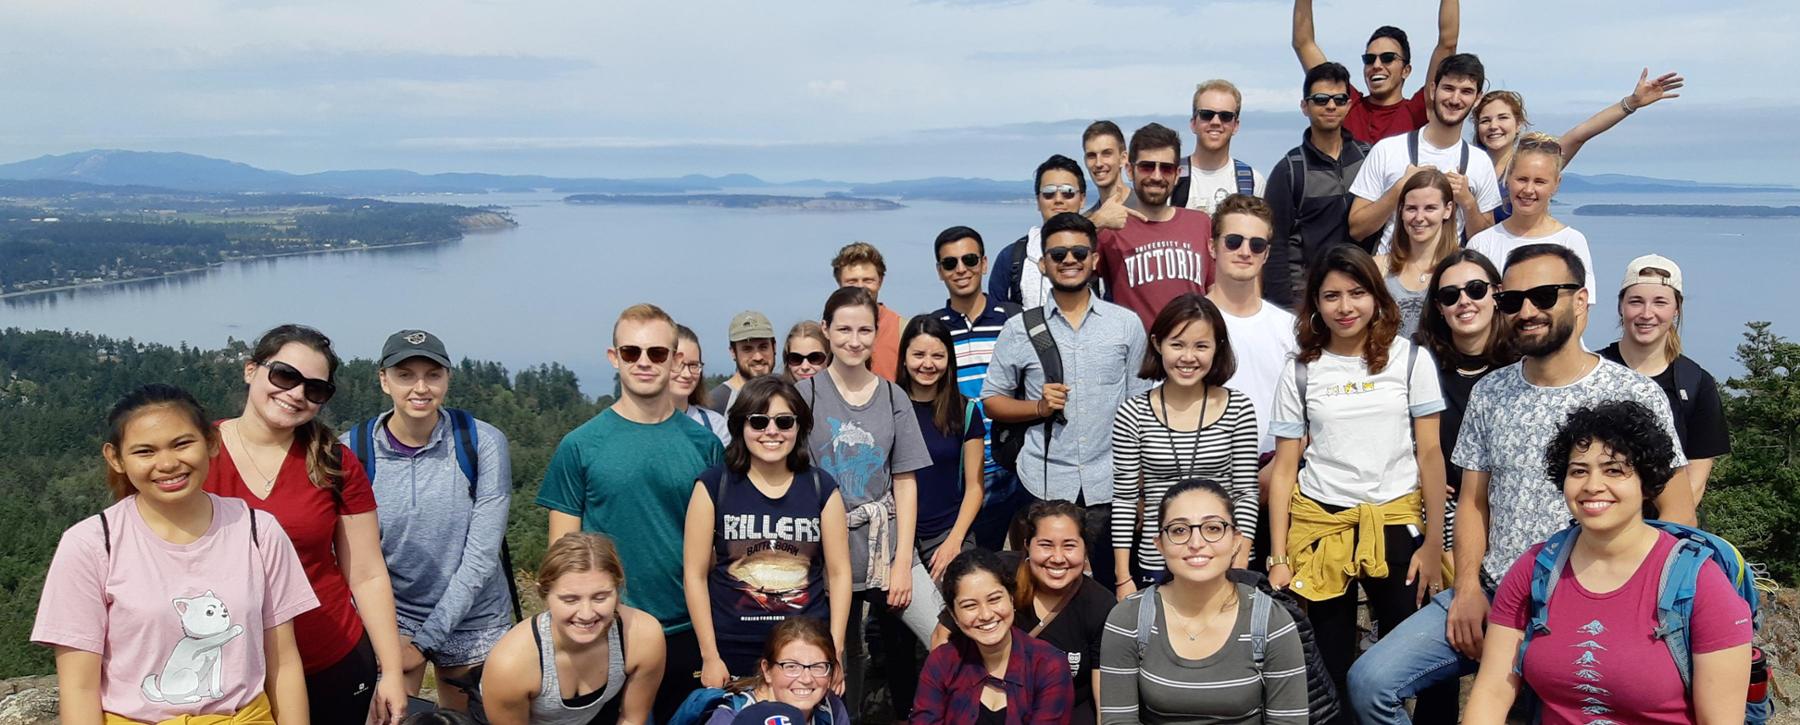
x=750, y=325
x=413, y=343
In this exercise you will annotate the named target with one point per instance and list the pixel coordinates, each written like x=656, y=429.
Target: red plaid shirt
x=1037, y=684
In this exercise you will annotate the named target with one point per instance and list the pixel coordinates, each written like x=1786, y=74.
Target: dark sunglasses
x=1543, y=297
x=1448, y=295
x=794, y=358
x=1388, y=57
x=760, y=421
x=1051, y=191
x=1206, y=115
x=631, y=353
x=284, y=376
x=1152, y=167
x=970, y=260
x=1321, y=99
x=1058, y=254
x=1258, y=245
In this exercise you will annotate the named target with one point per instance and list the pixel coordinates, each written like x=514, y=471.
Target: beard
x=1057, y=283
x=1551, y=341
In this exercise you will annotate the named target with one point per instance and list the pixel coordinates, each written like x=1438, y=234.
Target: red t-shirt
x=1146, y=264
x=1369, y=123
x=309, y=516
x=1601, y=659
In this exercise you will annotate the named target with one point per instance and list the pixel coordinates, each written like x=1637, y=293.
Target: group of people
x=1136, y=469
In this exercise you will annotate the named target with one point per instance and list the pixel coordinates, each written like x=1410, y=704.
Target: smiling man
x=1016, y=277
x=752, y=341
x=1211, y=174
x=1162, y=255
x=1385, y=110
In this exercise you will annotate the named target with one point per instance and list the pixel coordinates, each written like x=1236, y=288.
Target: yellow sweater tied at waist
x=1330, y=549
x=257, y=712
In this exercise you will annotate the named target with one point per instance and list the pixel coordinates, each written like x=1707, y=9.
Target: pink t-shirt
x=1601, y=659
x=1146, y=264
x=178, y=627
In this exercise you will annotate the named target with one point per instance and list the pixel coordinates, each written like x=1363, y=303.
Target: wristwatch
x=1279, y=561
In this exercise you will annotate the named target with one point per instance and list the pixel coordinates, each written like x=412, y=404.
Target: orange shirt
x=886, y=357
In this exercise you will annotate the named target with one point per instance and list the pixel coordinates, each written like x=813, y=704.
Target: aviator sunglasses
x=1058, y=254
x=1166, y=168
x=631, y=353
x=761, y=421
x=285, y=377
x=1258, y=245
x=1385, y=58
x=816, y=358
x=1448, y=295
x=970, y=260
x=1543, y=297
x=1051, y=191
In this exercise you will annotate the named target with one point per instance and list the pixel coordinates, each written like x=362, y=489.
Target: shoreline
x=215, y=265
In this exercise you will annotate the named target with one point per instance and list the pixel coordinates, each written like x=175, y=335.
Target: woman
x=1650, y=301
x=172, y=602
x=1189, y=426
x=280, y=458
x=950, y=489
x=441, y=532
x=1612, y=460
x=687, y=386
x=1209, y=673
x=1360, y=404
x=1056, y=602
x=1427, y=235
x=798, y=666
x=990, y=673
x=587, y=657
x=1532, y=177
x=765, y=538
x=807, y=351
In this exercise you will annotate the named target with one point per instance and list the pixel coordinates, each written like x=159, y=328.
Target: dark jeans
x=343, y=691
x=1096, y=530
x=899, y=659
x=681, y=673
x=994, y=521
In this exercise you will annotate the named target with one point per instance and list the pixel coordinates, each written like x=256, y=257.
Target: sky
x=850, y=91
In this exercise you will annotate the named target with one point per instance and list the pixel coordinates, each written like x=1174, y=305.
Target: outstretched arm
x=1449, y=27
x=1648, y=91
x=1306, y=46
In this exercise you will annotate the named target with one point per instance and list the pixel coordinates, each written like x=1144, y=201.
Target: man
x=1311, y=196
x=1103, y=151
x=752, y=341
x=975, y=321
x=1392, y=161
x=1210, y=174
x=1387, y=63
x=628, y=473
x=1507, y=501
x=1163, y=255
x=859, y=264
x=1016, y=277
x=1068, y=456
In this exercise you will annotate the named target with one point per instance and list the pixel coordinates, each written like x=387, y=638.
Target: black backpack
x=1009, y=438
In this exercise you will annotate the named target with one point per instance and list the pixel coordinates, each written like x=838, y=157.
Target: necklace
x=268, y=482
x=1199, y=430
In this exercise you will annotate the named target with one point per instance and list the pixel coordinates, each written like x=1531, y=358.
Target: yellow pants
x=257, y=712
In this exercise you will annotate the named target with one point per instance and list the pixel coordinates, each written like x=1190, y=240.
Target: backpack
x=1674, y=599
x=1296, y=163
x=465, y=438
x=1009, y=438
x=1241, y=172
x=1412, y=152
x=698, y=705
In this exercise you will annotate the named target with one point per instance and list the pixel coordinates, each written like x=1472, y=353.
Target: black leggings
x=342, y=692
x=681, y=673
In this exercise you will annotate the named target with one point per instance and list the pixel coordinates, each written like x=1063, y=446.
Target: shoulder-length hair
x=324, y=462
x=1434, y=330
x=753, y=399
x=947, y=401
x=1309, y=329
x=1403, y=251
x=1176, y=316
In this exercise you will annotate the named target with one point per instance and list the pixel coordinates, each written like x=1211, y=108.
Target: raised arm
x=1306, y=45
x=1648, y=91
x=1449, y=27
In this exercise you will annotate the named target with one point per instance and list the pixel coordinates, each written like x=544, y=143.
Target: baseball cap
x=1638, y=272
x=410, y=344
x=750, y=325
x=770, y=713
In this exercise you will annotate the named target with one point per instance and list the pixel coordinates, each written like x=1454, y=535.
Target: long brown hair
x=1025, y=527
x=807, y=630
x=947, y=401
x=1403, y=251
x=1309, y=328
x=324, y=461
x=1434, y=330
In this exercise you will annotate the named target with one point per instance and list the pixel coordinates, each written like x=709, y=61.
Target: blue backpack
x=699, y=705
x=1674, y=598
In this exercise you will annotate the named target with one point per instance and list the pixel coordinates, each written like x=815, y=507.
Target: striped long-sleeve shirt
x=1149, y=457
x=1222, y=688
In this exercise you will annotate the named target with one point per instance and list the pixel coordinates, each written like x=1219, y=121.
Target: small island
x=740, y=201
x=1708, y=211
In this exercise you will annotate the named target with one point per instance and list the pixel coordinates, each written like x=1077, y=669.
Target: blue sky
x=814, y=88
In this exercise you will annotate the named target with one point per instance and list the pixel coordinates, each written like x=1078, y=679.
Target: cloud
x=836, y=87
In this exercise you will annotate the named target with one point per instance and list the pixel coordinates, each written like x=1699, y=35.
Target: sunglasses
x=1206, y=115
x=631, y=353
x=1058, y=254
x=1051, y=191
x=816, y=358
x=285, y=377
x=760, y=421
x=1448, y=295
x=1258, y=245
x=1149, y=168
x=1543, y=297
x=1385, y=58
x=970, y=260
x=1321, y=99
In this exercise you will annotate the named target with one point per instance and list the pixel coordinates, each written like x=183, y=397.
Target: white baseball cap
x=1652, y=269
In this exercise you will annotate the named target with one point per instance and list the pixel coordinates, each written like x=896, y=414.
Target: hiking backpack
x=1009, y=438
x=1241, y=173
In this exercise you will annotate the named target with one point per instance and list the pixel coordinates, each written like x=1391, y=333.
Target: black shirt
x=1076, y=631
x=1699, y=413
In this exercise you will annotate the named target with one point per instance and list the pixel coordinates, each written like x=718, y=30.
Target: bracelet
x=1278, y=561
x=1625, y=105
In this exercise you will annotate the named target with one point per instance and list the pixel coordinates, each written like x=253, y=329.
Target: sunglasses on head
x=1206, y=115
x=1448, y=295
x=761, y=421
x=285, y=377
x=816, y=358
x=1385, y=58
x=1321, y=99
x=1058, y=254
x=1051, y=191
x=631, y=353
x=1233, y=242
x=1543, y=297
x=1167, y=168
x=970, y=260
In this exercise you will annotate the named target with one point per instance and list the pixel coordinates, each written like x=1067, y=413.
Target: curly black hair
x=1627, y=428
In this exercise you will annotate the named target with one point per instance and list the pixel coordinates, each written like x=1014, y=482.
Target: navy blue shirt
x=940, y=485
x=768, y=554
x=974, y=343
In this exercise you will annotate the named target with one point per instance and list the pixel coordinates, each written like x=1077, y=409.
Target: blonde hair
x=856, y=253
x=1402, y=251
x=642, y=312
x=1219, y=84
x=579, y=552
x=1537, y=142
x=807, y=329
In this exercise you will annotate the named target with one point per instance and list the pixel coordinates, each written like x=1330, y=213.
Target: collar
x=1350, y=146
x=1055, y=310
x=439, y=432
x=972, y=669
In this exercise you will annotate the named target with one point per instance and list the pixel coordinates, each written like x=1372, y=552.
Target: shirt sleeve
x=287, y=593
x=977, y=428
x=564, y=487
x=931, y=703
x=909, y=452
x=1372, y=177
x=358, y=496
x=1290, y=411
x=1471, y=453
x=1006, y=368
x=1119, y=665
x=1245, y=496
x=1284, y=673
x=1128, y=490
x=1512, y=599
x=1708, y=436
x=481, y=547
x=1721, y=617
x=1651, y=395
x=72, y=608
x=1135, y=344
x=1426, y=396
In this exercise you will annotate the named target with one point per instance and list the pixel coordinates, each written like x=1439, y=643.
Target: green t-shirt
x=632, y=482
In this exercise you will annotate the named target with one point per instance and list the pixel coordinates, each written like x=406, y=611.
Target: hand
x=1468, y=617
x=389, y=705
x=1280, y=575
x=1410, y=170
x=1126, y=588
x=900, y=584
x=941, y=558
x=1426, y=571
x=713, y=672
x=1650, y=91
x=1056, y=396
x=1459, y=190
x=1113, y=214
x=837, y=676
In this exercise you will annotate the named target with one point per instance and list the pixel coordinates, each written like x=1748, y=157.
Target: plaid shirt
x=1037, y=684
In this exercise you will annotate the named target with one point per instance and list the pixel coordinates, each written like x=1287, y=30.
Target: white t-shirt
x=1262, y=344
x=1496, y=242
x=1387, y=162
x=1361, y=425
x=1207, y=188
x=1034, y=287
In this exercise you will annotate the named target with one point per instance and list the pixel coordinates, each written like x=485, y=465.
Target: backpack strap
x=1462, y=166
x=465, y=440
x=1675, y=604
x=1016, y=267
x=1412, y=147
x=255, y=540
x=105, y=533
x=1296, y=161
x=1246, y=178
x=1146, y=619
x=1546, y=569
x=1260, y=605
x=362, y=443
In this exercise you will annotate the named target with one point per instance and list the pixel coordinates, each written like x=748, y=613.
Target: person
x=1426, y=238
x=1454, y=88
x=797, y=667
x=1210, y=174
x=805, y=353
x=752, y=346
x=1311, y=198
x=588, y=657
x=1103, y=152
x=1096, y=340
x=975, y=320
x=1016, y=276
x=281, y=459
x=1211, y=672
x=864, y=434
x=859, y=264
x=441, y=533
x=1385, y=110
x=1613, y=459
x=1360, y=404
x=1262, y=333
x=1504, y=502
x=765, y=538
x=172, y=602
x=1500, y=116
x=629, y=472
x=1189, y=426
x=1532, y=179
x=1163, y=255
x=687, y=387
x=1650, y=301
x=950, y=489
x=1056, y=602
x=990, y=672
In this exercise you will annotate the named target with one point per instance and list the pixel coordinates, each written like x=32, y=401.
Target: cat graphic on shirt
x=192, y=672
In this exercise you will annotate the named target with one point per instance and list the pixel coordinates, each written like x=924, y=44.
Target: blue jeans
x=1405, y=663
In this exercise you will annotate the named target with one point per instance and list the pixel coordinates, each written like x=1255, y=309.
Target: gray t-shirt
x=863, y=447
x=1506, y=432
x=1412, y=305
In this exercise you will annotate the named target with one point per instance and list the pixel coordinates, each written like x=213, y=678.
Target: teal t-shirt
x=632, y=481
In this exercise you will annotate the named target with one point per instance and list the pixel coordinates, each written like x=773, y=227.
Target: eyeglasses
x=1321, y=99
x=1058, y=254
x=689, y=368
x=285, y=377
x=1258, y=245
x=793, y=669
x=631, y=353
x=970, y=260
x=1148, y=168
x=760, y=421
x=1388, y=57
x=1448, y=295
x=1051, y=191
x=816, y=358
x=1211, y=531
x=1542, y=297
x=1206, y=115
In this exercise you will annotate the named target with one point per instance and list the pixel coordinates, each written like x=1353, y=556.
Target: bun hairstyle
x=1203, y=485
x=850, y=297
x=578, y=552
x=150, y=396
x=324, y=460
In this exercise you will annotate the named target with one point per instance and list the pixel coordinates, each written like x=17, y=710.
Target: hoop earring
x=1317, y=323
